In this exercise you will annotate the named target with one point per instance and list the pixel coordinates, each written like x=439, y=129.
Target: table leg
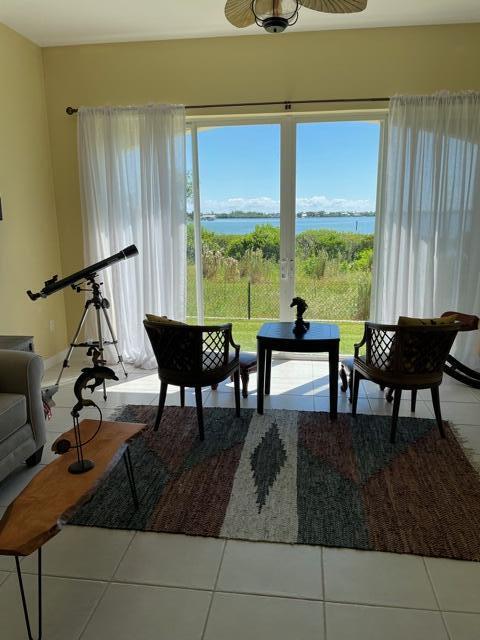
x=24, y=600
x=333, y=380
x=268, y=370
x=260, y=376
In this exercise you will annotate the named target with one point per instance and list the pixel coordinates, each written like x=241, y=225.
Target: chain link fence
x=336, y=298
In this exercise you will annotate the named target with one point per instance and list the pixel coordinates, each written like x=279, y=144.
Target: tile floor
x=146, y=586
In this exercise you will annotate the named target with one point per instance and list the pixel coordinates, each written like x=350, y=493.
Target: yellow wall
x=373, y=62
x=29, y=248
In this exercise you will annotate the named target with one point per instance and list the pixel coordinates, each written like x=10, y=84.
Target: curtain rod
x=286, y=103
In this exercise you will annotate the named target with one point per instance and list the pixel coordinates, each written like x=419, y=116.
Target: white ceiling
x=59, y=22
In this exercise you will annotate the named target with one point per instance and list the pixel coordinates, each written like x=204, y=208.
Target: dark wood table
x=279, y=336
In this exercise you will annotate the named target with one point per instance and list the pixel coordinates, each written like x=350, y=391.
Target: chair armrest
x=234, y=345
x=360, y=344
x=21, y=372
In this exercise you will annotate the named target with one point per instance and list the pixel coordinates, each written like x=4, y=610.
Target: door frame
x=288, y=170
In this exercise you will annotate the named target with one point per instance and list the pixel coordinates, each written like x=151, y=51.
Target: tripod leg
x=114, y=340
x=100, y=347
x=73, y=343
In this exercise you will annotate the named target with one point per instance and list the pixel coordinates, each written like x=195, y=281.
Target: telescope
x=54, y=284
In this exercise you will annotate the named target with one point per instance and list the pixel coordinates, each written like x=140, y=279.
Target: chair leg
x=245, y=376
x=214, y=387
x=198, y=398
x=397, y=394
x=389, y=395
x=343, y=378
x=182, y=396
x=356, y=385
x=236, y=384
x=413, y=401
x=161, y=404
x=437, y=410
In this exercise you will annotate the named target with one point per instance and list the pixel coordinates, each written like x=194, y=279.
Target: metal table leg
x=24, y=600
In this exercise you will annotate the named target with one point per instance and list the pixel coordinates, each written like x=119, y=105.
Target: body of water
x=354, y=224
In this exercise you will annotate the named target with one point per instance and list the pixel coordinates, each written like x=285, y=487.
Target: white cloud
x=269, y=205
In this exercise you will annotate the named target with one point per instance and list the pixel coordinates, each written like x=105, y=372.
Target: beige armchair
x=22, y=421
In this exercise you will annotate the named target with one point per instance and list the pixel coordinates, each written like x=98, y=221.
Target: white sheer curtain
x=428, y=233
x=132, y=180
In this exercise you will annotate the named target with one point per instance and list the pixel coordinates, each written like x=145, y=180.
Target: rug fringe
x=469, y=451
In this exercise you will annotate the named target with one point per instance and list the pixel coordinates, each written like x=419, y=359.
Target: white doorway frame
x=288, y=170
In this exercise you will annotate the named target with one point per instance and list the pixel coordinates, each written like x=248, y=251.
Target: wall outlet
x=52, y=326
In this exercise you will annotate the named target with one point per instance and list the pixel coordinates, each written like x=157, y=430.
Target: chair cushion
x=13, y=413
x=404, y=321
x=151, y=317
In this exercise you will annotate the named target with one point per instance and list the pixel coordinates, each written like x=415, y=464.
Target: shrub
x=314, y=266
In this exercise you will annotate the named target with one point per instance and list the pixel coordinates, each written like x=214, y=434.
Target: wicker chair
x=193, y=356
x=404, y=358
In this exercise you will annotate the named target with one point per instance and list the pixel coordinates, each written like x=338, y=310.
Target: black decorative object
x=301, y=326
x=98, y=374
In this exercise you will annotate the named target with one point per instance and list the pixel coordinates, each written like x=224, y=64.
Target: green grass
x=245, y=333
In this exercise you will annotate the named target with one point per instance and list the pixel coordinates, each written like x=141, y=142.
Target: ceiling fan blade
x=335, y=6
x=239, y=13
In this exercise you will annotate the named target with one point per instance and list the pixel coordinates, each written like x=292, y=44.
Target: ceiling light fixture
x=276, y=15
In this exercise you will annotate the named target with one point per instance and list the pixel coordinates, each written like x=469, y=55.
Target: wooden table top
x=284, y=331
x=52, y=497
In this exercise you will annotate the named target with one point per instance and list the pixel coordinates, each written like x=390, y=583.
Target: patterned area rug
x=297, y=477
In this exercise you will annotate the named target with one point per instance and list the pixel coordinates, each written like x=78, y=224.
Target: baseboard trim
x=59, y=357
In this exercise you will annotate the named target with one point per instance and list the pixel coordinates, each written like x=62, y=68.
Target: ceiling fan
x=276, y=15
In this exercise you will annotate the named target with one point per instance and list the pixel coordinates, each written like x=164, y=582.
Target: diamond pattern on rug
x=266, y=462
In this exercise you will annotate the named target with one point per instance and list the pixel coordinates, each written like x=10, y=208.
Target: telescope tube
x=54, y=285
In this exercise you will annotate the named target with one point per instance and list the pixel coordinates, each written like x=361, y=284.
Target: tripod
x=95, y=347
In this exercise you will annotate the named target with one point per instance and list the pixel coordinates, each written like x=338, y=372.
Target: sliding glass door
x=279, y=208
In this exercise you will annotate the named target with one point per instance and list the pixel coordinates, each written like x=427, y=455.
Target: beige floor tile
x=451, y=393
x=383, y=408
x=456, y=583
x=118, y=399
x=82, y=552
x=357, y=622
x=245, y=617
x=3, y=576
x=289, y=402
x=272, y=569
x=137, y=612
x=7, y=563
x=371, y=577
x=67, y=605
x=172, y=560
x=463, y=626
x=461, y=412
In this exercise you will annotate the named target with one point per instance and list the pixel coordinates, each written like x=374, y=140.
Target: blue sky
x=336, y=167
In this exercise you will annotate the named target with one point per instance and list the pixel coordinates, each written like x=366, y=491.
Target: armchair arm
x=21, y=372
x=234, y=345
x=360, y=344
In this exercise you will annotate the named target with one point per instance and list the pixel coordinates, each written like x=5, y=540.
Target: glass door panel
x=336, y=190
x=239, y=202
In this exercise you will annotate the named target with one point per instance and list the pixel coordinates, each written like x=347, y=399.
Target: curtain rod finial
x=71, y=110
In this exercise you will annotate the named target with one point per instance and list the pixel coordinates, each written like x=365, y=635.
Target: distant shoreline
x=274, y=216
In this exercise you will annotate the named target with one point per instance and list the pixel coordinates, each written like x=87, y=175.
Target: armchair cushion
x=13, y=413
x=151, y=317
x=404, y=321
